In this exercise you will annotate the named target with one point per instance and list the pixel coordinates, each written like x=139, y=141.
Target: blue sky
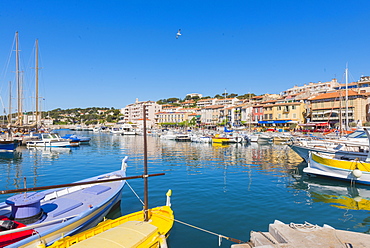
x=108, y=53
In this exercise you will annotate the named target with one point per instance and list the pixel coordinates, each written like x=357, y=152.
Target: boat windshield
x=54, y=136
x=357, y=134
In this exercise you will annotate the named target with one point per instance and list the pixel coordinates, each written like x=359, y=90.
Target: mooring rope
x=220, y=236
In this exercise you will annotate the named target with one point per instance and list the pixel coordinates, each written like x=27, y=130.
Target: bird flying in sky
x=178, y=34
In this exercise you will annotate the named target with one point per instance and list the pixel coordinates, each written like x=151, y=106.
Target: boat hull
x=321, y=165
x=8, y=146
x=38, y=143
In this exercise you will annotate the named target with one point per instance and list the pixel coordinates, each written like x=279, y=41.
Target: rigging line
x=2, y=104
x=207, y=231
x=133, y=191
x=361, y=162
x=6, y=67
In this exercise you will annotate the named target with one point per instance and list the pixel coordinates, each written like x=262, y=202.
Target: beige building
x=211, y=115
x=206, y=102
x=312, y=88
x=228, y=101
x=283, y=111
x=171, y=117
x=134, y=112
x=289, y=111
x=331, y=107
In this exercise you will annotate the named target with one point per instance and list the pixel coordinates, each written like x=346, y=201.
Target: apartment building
x=283, y=111
x=171, y=117
x=362, y=85
x=170, y=108
x=246, y=113
x=211, y=115
x=268, y=110
x=257, y=113
x=188, y=103
x=312, y=88
x=206, y=102
x=134, y=112
x=228, y=101
x=289, y=111
x=331, y=107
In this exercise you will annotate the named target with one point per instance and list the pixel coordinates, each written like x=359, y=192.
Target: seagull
x=178, y=34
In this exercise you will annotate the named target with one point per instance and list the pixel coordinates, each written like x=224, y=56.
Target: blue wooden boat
x=54, y=213
x=8, y=145
x=77, y=138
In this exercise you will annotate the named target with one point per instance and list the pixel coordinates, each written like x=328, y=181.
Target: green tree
x=173, y=100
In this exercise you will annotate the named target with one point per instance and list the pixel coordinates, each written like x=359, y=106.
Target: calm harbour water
x=228, y=190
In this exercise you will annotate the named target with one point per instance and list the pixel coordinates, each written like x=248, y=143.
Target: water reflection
x=351, y=198
x=49, y=152
x=341, y=196
x=11, y=167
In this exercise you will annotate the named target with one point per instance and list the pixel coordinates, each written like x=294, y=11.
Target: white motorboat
x=354, y=145
x=259, y=137
x=51, y=140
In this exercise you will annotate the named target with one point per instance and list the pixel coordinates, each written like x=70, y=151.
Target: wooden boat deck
x=304, y=236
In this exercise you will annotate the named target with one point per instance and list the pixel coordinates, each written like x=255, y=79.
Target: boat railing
x=59, y=193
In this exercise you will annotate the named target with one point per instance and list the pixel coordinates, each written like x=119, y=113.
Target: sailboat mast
x=19, y=86
x=146, y=214
x=340, y=113
x=37, y=81
x=10, y=104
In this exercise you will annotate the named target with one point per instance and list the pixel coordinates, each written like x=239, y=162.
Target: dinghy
x=32, y=219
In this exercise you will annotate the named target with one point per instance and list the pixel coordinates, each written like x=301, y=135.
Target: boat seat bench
x=96, y=189
x=65, y=205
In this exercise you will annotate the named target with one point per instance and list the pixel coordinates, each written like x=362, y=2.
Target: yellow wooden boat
x=127, y=231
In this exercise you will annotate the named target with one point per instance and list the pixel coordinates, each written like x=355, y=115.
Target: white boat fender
x=357, y=173
x=357, y=198
x=41, y=245
x=162, y=241
x=168, y=200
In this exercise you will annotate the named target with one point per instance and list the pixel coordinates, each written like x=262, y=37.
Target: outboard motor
x=7, y=225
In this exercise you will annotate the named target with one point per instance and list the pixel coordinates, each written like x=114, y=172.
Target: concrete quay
x=306, y=235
